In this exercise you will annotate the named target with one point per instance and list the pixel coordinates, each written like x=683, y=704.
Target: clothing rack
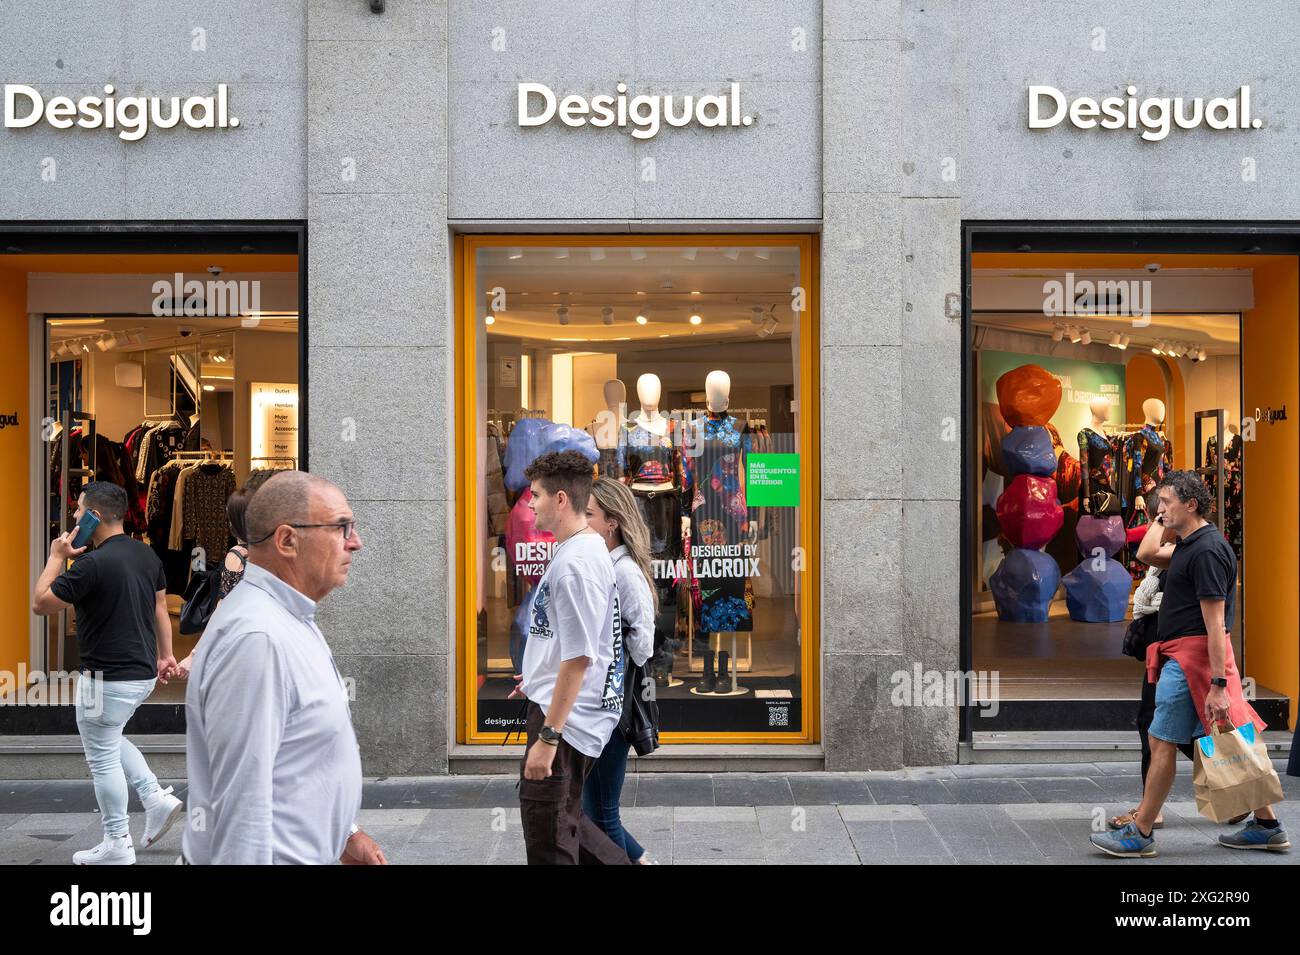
x=65, y=477
x=293, y=462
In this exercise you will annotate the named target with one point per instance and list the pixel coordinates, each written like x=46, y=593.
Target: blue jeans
x=103, y=708
x=601, y=792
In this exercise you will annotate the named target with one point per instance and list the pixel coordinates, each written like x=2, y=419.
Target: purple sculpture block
x=1023, y=586
x=1104, y=532
x=1098, y=596
x=1029, y=450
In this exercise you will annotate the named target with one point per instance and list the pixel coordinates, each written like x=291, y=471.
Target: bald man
x=274, y=769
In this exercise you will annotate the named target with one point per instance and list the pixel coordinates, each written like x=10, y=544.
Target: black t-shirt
x=114, y=590
x=1203, y=567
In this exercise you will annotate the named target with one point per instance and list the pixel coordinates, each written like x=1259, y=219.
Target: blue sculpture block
x=1023, y=585
x=1029, y=450
x=1098, y=595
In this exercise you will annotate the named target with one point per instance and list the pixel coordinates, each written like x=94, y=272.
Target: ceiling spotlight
x=561, y=253
x=85, y=347
x=1123, y=343
x=756, y=315
x=732, y=254
x=63, y=351
x=638, y=255
x=516, y=254
x=1057, y=333
x=209, y=387
x=1114, y=340
x=695, y=319
x=54, y=353
x=490, y=320
x=1073, y=333
x=562, y=314
x=1180, y=349
x=1086, y=337
x=641, y=319
x=1202, y=355
x=597, y=255
x=768, y=327
x=136, y=338
x=103, y=343
x=607, y=315
x=1156, y=350
x=763, y=254
x=689, y=254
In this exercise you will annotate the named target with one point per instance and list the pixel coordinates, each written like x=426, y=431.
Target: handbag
x=201, y=597
x=1233, y=773
x=639, y=723
x=1104, y=503
x=1138, y=636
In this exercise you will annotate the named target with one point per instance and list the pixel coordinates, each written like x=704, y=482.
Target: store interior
x=1094, y=376
x=671, y=368
x=173, y=376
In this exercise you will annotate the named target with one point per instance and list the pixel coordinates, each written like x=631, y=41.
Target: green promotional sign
x=772, y=480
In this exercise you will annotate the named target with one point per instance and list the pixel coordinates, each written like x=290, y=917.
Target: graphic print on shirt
x=611, y=697
x=541, y=625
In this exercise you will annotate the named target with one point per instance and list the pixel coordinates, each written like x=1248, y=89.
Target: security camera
x=185, y=331
x=1153, y=266
x=215, y=270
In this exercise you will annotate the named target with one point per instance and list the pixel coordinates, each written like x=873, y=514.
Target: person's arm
x=1157, y=547
x=568, y=682
x=245, y=704
x=162, y=625
x=1216, y=703
x=75, y=582
x=637, y=606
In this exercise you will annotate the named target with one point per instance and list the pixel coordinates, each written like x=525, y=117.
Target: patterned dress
x=1232, y=518
x=713, y=496
x=1096, y=469
x=1147, y=457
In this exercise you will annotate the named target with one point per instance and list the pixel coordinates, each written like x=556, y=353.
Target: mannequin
x=1148, y=454
x=1097, y=464
x=647, y=446
x=608, y=426
x=1232, y=518
x=713, y=482
x=648, y=391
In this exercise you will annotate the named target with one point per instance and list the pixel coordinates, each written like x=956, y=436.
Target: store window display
x=705, y=338
x=1079, y=419
x=176, y=401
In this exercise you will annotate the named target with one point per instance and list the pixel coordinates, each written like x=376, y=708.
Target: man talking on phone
x=124, y=635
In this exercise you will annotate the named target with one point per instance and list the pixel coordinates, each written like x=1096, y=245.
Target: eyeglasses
x=346, y=526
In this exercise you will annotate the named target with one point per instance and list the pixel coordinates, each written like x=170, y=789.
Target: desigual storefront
x=767, y=266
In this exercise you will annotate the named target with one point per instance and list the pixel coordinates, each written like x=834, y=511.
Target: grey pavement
x=982, y=814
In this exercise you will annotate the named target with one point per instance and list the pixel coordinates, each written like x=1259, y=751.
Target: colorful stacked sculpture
x=1097, y=590
x=1029, y=512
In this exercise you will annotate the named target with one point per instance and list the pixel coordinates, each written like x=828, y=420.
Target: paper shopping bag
x=1233, y=774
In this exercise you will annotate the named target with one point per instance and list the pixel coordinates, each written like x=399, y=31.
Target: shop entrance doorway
x=1099, y=359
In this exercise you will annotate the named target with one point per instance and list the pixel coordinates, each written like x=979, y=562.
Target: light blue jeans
x=103, y=708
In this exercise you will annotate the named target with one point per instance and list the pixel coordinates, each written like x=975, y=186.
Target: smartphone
x=85, y=529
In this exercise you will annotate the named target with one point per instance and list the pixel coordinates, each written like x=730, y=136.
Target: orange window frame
x=466, y=248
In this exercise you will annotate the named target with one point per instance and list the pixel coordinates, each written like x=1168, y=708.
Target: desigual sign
x=8, y=420
x=644, y=113
x=1156, y=116
x=131, y=116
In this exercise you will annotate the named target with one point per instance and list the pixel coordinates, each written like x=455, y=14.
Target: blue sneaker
x=1126, y=843
x=1254, y=836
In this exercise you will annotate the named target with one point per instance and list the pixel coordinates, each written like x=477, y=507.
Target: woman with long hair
x=612, y=513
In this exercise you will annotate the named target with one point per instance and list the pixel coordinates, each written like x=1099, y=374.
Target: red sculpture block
x=1028, y=511
x=1028, y=395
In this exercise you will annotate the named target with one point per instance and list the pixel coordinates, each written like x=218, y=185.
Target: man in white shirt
x=573, y=670
x=274, y=768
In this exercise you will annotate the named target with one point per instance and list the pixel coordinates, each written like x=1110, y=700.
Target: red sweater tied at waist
x=1193, y=655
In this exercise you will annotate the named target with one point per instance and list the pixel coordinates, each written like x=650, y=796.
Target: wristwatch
x=548, y=735
x=1219, y=682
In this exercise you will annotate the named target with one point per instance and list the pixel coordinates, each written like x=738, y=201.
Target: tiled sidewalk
x=945, y=815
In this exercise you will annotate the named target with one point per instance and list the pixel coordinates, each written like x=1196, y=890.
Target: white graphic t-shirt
x=575, y=613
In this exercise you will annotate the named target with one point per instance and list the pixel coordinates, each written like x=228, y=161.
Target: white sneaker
x=160, y=814
x=117, y=851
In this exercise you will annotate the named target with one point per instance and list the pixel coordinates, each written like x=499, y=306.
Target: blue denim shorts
x=1176, y=719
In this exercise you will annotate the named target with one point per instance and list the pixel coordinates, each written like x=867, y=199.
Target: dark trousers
x=555, y=830
x=1147, y=713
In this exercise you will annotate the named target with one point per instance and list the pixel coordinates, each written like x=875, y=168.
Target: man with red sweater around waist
x=1197, y=683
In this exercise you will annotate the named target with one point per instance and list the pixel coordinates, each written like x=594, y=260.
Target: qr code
x=778, y=716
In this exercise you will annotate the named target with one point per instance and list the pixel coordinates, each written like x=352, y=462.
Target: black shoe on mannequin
x=724, y=678
x=710, y=678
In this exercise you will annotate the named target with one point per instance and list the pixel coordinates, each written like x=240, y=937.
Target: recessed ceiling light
x=607, y=315
x=561, y=253
x=516, y=253
x=209, y=387
x=490, y=320
x=1058, y=333
x=695, y=319
x=562, y=313
x=763, y=254
x=641, y=319
x=695, y=291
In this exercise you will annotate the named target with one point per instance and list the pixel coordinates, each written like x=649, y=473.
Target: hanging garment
x=646, y=457
x=207, y=488
x=527, y=439
x=662, y=512
x=1098, y=489
x=609, y=464
x=494, y=485
x=1232, y=515
x=175, y=535
x=521, y=528
x=713, y=496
